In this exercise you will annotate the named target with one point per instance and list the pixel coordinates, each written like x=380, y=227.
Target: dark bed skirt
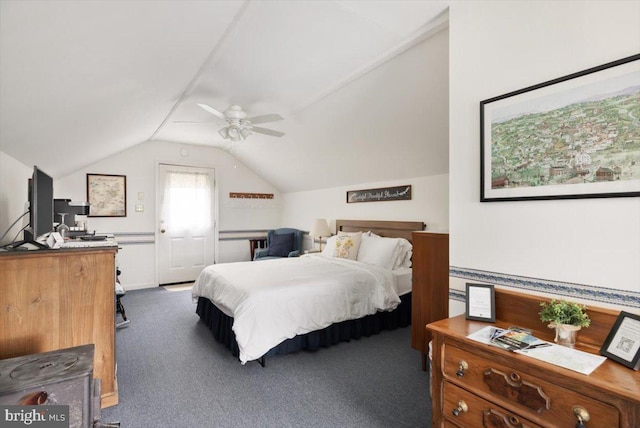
x=220, y=325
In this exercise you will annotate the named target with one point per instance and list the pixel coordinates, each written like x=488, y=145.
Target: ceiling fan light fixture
x=234, y=133
x=239, y=126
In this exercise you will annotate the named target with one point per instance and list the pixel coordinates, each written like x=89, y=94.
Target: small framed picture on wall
x=107, y=195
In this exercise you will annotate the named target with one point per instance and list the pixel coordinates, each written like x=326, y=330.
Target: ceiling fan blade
x=265, y=118
x=212, y=111
x=266, y=131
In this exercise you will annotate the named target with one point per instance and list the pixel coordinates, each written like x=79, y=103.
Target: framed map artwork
x=577, y=136
x=107, y=195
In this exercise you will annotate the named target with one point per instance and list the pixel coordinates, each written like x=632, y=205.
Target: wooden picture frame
x=480, y=302
x=107, y=195
x=572, y=137
x=623, y=342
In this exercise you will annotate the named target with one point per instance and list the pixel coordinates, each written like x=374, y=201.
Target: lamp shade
x=320, y=227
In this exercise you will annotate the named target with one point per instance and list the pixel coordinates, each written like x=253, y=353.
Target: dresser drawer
x=529, y=396
x=479, y=412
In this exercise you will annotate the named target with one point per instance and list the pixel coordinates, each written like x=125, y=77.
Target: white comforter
x=274, y=300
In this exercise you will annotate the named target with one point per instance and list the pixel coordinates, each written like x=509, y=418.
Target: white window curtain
x=187, y=202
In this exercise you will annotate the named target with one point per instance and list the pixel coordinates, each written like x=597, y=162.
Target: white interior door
x=186, y=222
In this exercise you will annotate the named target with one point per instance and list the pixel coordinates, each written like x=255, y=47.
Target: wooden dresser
x=476, y=385
x=430, y=288
x=56, y=299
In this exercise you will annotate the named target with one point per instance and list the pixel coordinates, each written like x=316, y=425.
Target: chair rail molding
x=560, y=288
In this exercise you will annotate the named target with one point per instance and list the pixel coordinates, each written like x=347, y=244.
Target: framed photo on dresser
x=480, y=302
x=623, y=342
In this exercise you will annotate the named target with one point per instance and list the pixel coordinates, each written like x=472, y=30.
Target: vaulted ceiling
x=362, y=85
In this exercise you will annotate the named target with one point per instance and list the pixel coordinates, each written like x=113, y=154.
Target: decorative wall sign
x=107, y=195
x=397, y=193
x=251, y=195
x=577, y=136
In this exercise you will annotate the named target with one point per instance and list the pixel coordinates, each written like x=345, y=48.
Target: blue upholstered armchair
x=284, y=242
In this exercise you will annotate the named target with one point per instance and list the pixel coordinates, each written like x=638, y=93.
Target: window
x=187, y=201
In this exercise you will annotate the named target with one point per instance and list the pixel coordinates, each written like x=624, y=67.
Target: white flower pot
x=565, y=334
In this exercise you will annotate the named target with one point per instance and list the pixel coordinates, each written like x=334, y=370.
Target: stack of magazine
x=515, y=339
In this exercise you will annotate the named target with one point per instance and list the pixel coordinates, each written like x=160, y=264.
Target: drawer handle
x=582, y=415
x=495, y=418
x=462, y=367
x=462, y=407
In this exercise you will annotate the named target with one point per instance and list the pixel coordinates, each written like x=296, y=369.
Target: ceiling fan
x=239, y=126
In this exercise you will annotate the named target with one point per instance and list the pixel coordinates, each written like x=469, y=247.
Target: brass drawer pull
x=462, y=407
x=462, y=367
x=582, y=415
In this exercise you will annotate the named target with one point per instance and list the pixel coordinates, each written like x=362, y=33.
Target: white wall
x=14, y=178
x=137, y=261
x=429, y=204
x=498, y=47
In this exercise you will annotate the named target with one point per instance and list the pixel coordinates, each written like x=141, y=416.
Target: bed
x=259, y=309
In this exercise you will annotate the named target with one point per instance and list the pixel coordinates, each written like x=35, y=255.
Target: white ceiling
x=354, y=80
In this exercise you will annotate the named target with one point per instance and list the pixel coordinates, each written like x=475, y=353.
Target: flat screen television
x=41, y=203
x=40, y=208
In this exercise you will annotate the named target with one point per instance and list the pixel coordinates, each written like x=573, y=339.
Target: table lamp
x=320, y=228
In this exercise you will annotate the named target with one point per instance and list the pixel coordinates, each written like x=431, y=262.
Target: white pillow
x=347, y=245
x=389, y=253
x=330, y=247
x=404, y=253
x=378, y=251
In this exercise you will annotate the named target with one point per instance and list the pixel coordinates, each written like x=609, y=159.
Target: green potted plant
x=567, y=318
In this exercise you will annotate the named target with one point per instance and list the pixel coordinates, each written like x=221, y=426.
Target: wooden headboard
x=389, y=229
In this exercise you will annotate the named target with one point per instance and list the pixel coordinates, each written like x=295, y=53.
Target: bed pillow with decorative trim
x=280, y=245
x=347, y=245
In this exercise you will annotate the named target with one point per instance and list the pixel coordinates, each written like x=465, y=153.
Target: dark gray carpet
x=172, y=373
